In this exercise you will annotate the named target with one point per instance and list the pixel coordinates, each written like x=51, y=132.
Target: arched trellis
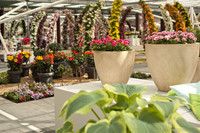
x=40, y=31
x=123, y=21
x=68, y=29
x=50, y=31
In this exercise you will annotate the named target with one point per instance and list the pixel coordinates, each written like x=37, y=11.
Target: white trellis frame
x=193, y=18
x=24, y=14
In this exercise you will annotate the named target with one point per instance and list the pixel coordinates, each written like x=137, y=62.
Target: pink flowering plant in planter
x=166, y=37
x=108, y=44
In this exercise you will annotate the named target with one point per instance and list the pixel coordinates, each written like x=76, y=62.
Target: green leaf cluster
x=126, y=111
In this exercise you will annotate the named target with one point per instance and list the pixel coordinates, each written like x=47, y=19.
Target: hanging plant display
x=41, y=31
x=23, y=23
x=145, y=32
x=89, y=24
x=114, y=19
x=167, y=18
x=50, y=31
x=7, y=28
x=34, y=28
x=148, y=14
x=184, y=14
x=180, y=25
x=68, y=29
x=122, y=28
x=101, y=27
x=13, y=26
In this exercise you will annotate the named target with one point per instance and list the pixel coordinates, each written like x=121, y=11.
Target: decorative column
x=58, y=31
x=162, y=25
x=137, y=21
x=2, y=25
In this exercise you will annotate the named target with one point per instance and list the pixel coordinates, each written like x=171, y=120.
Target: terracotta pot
x=172, y=64
x=114, y=66
x=196, y=77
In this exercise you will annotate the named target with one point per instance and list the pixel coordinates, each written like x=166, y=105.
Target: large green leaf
x=67, y=127
x=82, y=130
x=83, y=102
x=181, y=125
x=139, y=126
x=124, y=89
x=115, y=124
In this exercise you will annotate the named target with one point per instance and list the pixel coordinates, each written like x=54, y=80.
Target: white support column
x=34, y=10
x=4, y=44
x=15, y=9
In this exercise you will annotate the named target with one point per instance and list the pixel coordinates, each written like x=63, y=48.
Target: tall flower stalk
x=114, y=19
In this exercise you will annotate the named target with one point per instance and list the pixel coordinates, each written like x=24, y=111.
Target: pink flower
x=184, y=39
x=126, y=42
x=177, y=39
x=114, y=43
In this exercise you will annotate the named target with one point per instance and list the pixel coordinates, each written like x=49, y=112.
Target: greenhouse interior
x=99, y=66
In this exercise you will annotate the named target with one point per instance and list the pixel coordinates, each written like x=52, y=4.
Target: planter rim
x=14, y=71
x=173, y=44
x=115, y=51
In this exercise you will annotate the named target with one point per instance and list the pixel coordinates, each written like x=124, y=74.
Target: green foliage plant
x=140, y=75
x=126, y=111
x=4, y=78
x=54, y=47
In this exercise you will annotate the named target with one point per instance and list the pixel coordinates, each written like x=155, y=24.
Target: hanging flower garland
x=114, y=19
x=89, y=23
x=68, y=29
x=23, y=23
x=148, y=13
x=122, y=28
x=7, y=28
x=13, y=26
x=50, y=31
x=101, y=27
x=40, y=31
x=145, y=32
x=167, y=18
x=184, y=14
x=180, y=25
x=34, y=28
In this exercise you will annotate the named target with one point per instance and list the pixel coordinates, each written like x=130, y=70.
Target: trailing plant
x=108, y=44
x=126, y=111
x=4, y=78
x=122, y=22
x=148, y=14
x=89, y=23
x=184, y=13
x=114, y=19
x=171, y=38
x=41, y=31
x=167, y=18
x=140, y=75
x=68, y=29
x=50, y=31
x=180, y=25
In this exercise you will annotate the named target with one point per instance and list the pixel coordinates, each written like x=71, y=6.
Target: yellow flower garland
x=114, y=19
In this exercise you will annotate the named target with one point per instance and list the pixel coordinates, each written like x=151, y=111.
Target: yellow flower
x=10, y=57
x=51, y=51
x=15, y=60
x=27, y=56
x=39, y=58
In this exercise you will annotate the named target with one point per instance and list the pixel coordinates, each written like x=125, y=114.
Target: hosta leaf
x=82, y=102
x=115, y=125
x=83, y=128
x=67, y=127
x=139, y=126
x=181, y=125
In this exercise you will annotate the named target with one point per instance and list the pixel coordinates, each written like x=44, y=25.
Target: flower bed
x=34, y=91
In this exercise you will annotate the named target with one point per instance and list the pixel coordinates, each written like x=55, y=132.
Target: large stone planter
x=196, y=77
x=45, y=77
x=172, y=64
x=114, y=66
x=14, y=76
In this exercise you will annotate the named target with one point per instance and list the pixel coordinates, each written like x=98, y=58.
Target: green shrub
x=54, y=47
x=4, y=78
x=140, y=75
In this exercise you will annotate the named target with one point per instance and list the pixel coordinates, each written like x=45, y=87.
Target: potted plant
x=172, y=58
x=14, y=65
x=33, y=67
x=25, y=43
x=90, y=66
x=25, y=67
x=60, y=71
x=124, y=110
x=76, y=62
x=114, y=60
x=59, y=58
x=44, y=66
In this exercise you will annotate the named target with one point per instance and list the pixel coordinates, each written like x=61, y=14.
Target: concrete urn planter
x=172, y=64
x=196, y=77
x=114, y=66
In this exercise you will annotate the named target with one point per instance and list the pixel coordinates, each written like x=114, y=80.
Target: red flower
x=73, y=51
x=91, y=53
x=72, y=58
x=23, y=99
x=50, y=57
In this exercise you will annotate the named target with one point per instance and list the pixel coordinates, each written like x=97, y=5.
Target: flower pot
x=14, y=76
x=45, y=77
x=25, y=70
x=196, y=77
x=172, y=64
x=57, y=76
x=114, y=66
x=34, y=75
x=92, y=73
x=55, y=66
